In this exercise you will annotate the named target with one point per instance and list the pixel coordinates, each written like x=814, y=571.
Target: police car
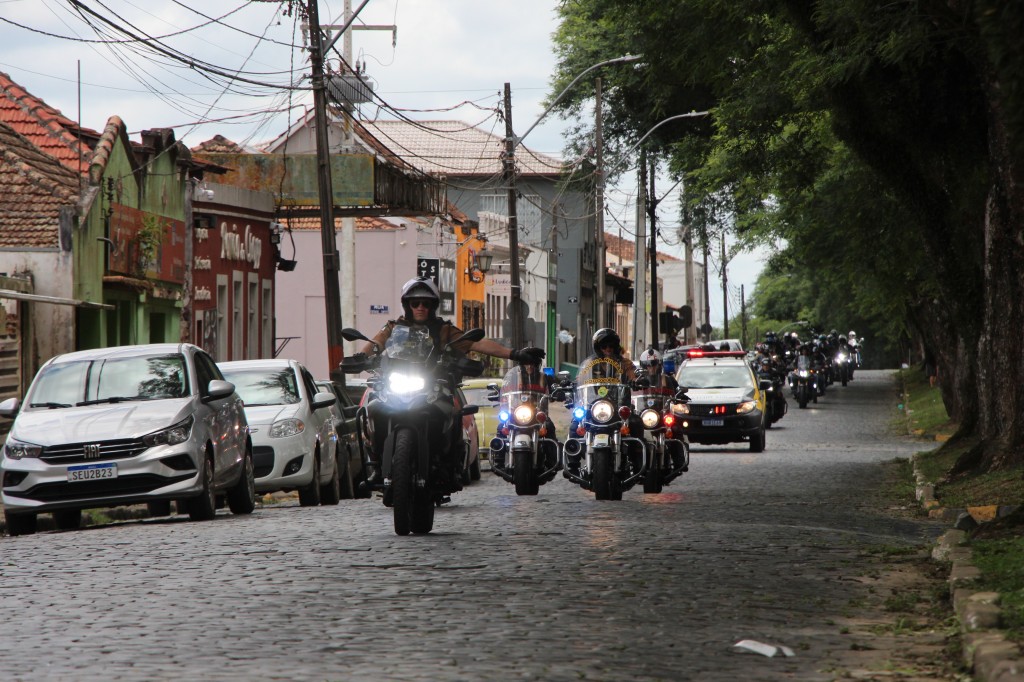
x=727, y=402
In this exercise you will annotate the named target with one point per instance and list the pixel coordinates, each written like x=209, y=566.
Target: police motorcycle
x=766, y=367
x=413, y=408
x=524, y=452
x=600, y=455
x=667, y=457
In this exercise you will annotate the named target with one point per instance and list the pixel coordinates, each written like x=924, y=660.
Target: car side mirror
x=9, y=408
x=217, y=390
x=470, y=409
x=323, y=399
x=764, y=384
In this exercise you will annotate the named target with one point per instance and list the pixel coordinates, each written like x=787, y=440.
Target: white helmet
x=852, y=334
x=650, y=357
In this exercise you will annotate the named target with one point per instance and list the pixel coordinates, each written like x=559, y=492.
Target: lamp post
x=516, y=306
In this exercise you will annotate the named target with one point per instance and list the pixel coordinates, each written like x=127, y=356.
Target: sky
x=445, y=59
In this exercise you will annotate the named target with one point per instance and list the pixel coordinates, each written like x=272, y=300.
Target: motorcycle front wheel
x=653, y=477
x=603, y=476
x=523, y=476
x=408, y=510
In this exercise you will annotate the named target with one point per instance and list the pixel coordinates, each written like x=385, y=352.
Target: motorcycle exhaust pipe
x=573, y=447
x=497, y=444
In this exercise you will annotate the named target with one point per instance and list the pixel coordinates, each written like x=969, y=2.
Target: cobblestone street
x=768, y=547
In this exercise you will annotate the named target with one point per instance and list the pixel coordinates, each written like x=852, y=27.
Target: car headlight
x=680, y=408
x=17, y=449
x=403, y=384
x=523, y=414
x=602, y=411
x=172, y=435
x=650, y=418
x=745, y=407
x=287, y=427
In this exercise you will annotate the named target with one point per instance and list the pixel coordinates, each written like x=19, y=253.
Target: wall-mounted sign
x=574, y=299
x=429, y=267
x=379, y=309
x=203, y=294
x=201, y=263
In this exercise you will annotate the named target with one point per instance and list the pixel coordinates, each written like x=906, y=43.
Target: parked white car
x=292, y=429
x=125, y=425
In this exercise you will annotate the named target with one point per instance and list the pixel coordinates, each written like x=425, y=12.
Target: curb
x=986, y=652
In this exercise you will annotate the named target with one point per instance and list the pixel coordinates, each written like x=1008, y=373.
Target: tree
x=877, y=140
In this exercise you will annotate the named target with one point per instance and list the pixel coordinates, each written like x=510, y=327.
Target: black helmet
x=607, y=336
x=420, y=287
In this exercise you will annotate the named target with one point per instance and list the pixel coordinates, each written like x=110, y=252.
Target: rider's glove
x=527, y=356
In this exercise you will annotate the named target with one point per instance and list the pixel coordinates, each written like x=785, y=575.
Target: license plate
x=713, y=422
x=600, y=440
x=92, y=472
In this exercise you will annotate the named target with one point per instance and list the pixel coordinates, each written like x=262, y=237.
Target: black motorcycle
x=668, y=456
x=524, y=453
x=413, y=409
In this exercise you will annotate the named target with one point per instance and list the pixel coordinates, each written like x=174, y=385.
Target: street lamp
x=516, y=307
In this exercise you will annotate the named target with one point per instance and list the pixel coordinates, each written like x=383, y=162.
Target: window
x=267, y=312
x=252, y=326
x=236, y=316
x=220, y=345
x=528, y=210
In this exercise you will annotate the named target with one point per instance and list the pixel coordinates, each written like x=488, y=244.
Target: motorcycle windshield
x=412, y=344
x=803, y=362
x=523, y=386
x=601, y=379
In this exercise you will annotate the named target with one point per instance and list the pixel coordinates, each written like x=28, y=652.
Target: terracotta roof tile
x=45, y=127
x=311, y=223
x=625, y=249
x=218, y=144
x=456, y=148
x=34, y=189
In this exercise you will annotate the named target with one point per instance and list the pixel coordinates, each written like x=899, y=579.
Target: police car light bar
x=698, y=353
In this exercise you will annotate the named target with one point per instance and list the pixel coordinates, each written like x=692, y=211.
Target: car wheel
x=348, y=486
x=474, y=468
x=330, y=493
x=67, y=519
x=757, y=441
x=20, y=524
x=242, y=495
x=203, y=507
x=309, y=496
x=159, y=507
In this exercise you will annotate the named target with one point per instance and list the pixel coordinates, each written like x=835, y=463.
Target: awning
x=56, y=300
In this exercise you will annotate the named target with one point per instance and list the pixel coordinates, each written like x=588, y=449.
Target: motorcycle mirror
x=350, y=334
x=492, y=387
x=473, y=335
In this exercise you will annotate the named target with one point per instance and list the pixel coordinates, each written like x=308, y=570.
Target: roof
x=34, y=190
x=456, y=148
x=367, y=223
x=45, y=127
x=625, y=249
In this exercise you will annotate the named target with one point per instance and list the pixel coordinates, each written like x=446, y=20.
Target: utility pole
x=743, y=315
x=725, y=293
x=332, y=288
x=640, y=261
x=707, y=292
x=514, y=311
x=599, y=208
x=652, y=210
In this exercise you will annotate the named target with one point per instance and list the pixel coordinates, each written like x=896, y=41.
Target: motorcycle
x=600, y=455
x=842, y=366
x=411, y=412
x=775, y=397
x=523, y=453
x=668, y=457
x=803, y=381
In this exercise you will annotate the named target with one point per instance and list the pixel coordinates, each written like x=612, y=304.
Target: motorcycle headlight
x=804, y=373
x=287, y=427
x=602, y=411
x=523, y=414
x=17, y=449
x=179, y=433
x=403, y=384
x=650, y=418
x=841, y=358
x=745, y=407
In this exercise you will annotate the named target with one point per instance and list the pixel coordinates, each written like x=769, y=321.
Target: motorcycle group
x=620, y=435
x=807, y=367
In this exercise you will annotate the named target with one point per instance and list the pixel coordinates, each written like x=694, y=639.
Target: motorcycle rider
x=532, y=373
x=650, y=360
x=420, y=299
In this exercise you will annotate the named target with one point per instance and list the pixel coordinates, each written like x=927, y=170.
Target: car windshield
x=714, y=376
x=262, y=386
x=110, y=380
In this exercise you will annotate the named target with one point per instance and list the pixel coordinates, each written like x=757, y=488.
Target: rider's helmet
x=420, y=287
x=833, y=333
x=606, y=336
x=852, y=334
x=769, y=337
x=650, y=358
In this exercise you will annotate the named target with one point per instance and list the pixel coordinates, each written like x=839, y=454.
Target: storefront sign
x=379, y=309
x=241, y=247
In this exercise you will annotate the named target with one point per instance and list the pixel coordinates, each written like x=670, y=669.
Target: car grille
x=262, y=460
x=709, y=410
x=75, y=452
x=113, y=487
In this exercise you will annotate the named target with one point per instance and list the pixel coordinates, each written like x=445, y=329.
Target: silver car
x=126, y=425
